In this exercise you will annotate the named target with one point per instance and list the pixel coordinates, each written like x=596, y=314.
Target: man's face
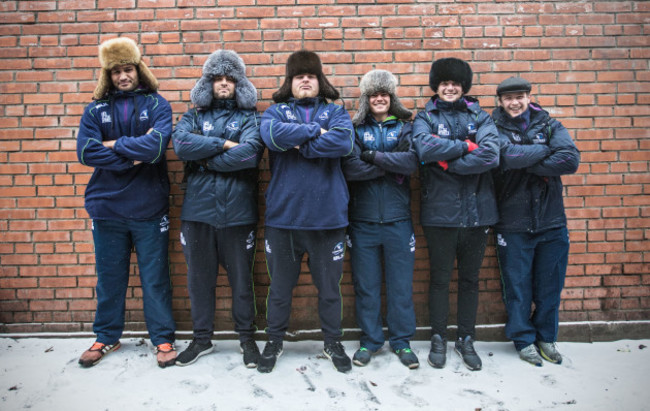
x=125, y=77
x=515, y=103
x=379, y=104
x=449, y=91
x=223, y=87
x=304, y=85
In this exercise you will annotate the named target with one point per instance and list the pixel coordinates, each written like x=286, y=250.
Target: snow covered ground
x=43, y=374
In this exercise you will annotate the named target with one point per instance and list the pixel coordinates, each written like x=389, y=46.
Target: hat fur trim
x=450, y=69
x=117, y=52
x=305, y=62
x=376, y=81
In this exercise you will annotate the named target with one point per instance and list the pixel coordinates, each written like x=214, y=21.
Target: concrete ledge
x=569, y=331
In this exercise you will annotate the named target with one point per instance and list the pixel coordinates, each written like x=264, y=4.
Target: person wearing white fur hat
x=123, y=135
x=219, y=140
x=381, y=230
x=457, y=144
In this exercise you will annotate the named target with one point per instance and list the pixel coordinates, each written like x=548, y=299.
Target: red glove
x=471, y=146
x=443, y=164
x=435, y=135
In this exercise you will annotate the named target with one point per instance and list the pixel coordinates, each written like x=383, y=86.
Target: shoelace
x=272, y=348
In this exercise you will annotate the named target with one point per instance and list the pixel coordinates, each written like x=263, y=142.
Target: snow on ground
x=43, y=374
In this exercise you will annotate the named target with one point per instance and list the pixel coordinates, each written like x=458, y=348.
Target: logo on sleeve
x=443, y=130
x=207, y=127
x=106, y=118
x=338, y=252
x=144, y=116
x=325, y=115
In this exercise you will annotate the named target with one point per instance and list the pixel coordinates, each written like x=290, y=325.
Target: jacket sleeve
x=355, y=169
x=280, y=134
x=149, y=148
x=90, y=150
x=486, y=156
x=403, y=162
x=337, y=142
x=190, y=146
x=429, y=147
x=516, y=156
x=247, y=154
x=564, y=157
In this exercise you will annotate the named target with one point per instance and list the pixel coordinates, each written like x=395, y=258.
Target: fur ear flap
x=201, y=94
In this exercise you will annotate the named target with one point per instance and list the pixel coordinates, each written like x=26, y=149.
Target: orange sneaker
x=165, y=354
x=94, y=354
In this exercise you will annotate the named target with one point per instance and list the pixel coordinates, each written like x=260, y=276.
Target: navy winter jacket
x=118, y=189
x=307, y=189
x=380, y=191
x=463, y=195
x=528, y=183
x=221, y=184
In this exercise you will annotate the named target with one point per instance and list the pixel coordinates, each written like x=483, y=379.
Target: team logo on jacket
x=290, y=115
x=207, y=126
x=516, y=137
x=412, y=243
x=267, y=247
x=144, y=116
x=250, y=240
x=392, y=136
x=539, y=139
x=325, y=115
x=443, y=130
x=338, y=252
x=471, y=128
x=368, y=137
x=164, y=224
x=106, y=118
x=233, y=126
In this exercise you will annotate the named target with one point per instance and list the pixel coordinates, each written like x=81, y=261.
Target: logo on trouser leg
x=164, y=224
x=338, y=252
x=501, y=241
x=250, y=241
x=267, y=247
x=183, y=243
x=348, y=241
x=412, y=242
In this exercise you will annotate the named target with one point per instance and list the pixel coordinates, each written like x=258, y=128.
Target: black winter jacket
x=528, y=184
x=462, y=196
x=380, y=190
x=221, y=184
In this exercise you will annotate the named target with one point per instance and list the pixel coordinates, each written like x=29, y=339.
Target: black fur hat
x=301, y=62
x=450, y=69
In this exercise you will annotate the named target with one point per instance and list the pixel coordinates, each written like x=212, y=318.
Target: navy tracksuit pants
x=205, y=248
x=284, y=252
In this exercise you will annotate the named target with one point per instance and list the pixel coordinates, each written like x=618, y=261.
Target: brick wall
x=588, y=61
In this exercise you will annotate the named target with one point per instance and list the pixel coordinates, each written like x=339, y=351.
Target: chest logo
x=207, y=127
x=392, y=136
x=471, y=128
x=233, y=126
x=443, y=130
x=368, y=137
x=539, y=139
x=144, y=116
x=516, y=137
x=106, y=118
x=290, y=115
x=325, y=115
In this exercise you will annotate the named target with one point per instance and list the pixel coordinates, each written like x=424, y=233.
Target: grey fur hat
x=450, y=69
x=379, y=81
x=224, y=63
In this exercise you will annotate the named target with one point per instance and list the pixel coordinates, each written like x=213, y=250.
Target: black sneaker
x=251, y=353
x=336, y=353
x=465, y=348
x=193, y=352
x=272, y=350
x=362, y=357
x=438, y=354
x=408, y=358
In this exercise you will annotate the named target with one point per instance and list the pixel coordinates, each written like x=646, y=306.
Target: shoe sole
x=438, y=366
x=195, y=359
x=359, y=363
x=535, y=364
x=464, y=363
x=346, y=369
x=92, y=364
x=265, y=370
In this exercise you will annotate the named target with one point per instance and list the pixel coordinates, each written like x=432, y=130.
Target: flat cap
x=513, y=85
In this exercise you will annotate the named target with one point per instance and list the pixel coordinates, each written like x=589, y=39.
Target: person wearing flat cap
x=531, y=235
x=123, y=136
x=219, y=140
x=381, y=230
x=457, y=145
x=306, y=201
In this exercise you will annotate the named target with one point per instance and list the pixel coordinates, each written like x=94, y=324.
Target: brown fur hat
x=301, y=62
x=116, y=52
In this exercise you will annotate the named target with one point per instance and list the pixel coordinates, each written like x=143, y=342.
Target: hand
x=150, y=130
x=229, y=144
x=368, y=156
x=471, y=146
x=402, y=146
x=323, y=131
x=136, y=162
x=444, y=165
x=109, y=144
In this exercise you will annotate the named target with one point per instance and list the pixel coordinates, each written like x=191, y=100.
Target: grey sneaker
x=193, y=352
x=361, y=358
x=438, y=354
x=465, y=348
x=408, y=358
x=336, y=353
x=251, y=353
x=529, y=354
x=272, y=350
x=549, y=352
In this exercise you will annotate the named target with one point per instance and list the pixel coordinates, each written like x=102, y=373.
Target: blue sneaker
x=361, y=358
x=408, y=358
